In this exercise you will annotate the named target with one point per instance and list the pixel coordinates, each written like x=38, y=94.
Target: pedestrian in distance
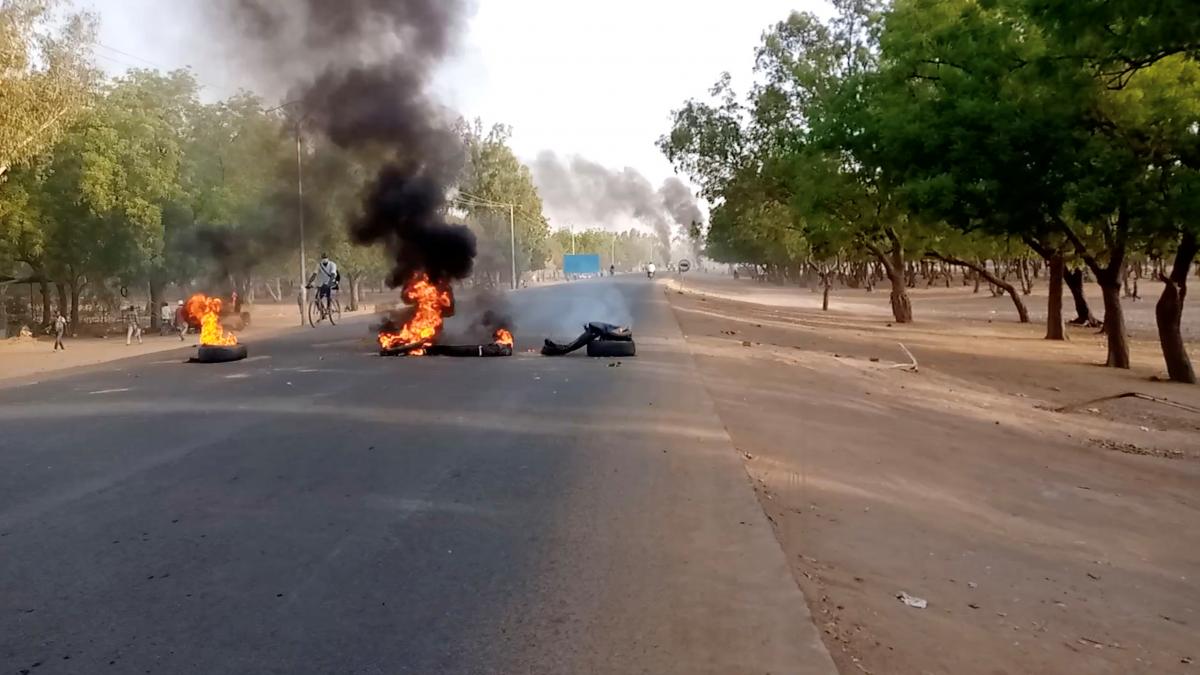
x=60, y=329
x=181, y=323
x=164, y=319
x=133, y=325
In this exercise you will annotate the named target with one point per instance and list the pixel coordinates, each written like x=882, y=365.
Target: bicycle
x=319, y=311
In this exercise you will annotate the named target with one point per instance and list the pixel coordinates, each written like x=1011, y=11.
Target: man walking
x=164, y=319
x=60, y=328
x=133, y=325
x=181, y=321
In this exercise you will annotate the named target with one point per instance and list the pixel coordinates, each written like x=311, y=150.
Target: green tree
x=46, y=77
x=102, y=194
x=497, y=194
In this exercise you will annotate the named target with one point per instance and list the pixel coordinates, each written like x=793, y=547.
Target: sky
x=597, y=79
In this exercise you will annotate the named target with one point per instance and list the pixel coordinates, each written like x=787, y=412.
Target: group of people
x=175, y=320
x=170, y=320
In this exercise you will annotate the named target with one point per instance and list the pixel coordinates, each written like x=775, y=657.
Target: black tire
x=220, y=353
x=611, y=348
x=335, y=311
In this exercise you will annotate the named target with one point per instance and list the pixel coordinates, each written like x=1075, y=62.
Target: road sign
x=584, y=263
x=684, y=265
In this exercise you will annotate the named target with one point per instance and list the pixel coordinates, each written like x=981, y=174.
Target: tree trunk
x=825, y=293
x=355, y=285
x=982, y=270
x=1054, y=314
x=75, y=288
x=1114, y=320
x=3, y=311
x=44, y=287
x=62, y=297
x=1168, y=313
x=1083, y=313
x=901, y=305
x=898, y=273
x=156, y=294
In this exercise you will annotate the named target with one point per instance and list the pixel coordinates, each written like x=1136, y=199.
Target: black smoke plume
x=359, y=72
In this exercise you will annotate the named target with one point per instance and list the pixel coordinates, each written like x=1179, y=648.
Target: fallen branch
x=1130, y=394
x=911, y=367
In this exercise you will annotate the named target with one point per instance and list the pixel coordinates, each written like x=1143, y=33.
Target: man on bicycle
x=327, y=276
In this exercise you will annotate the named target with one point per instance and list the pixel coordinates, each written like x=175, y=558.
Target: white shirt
x=650, y=268
x=326, y=272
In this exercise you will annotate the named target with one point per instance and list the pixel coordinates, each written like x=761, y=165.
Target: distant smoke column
x=590, y=193
x=681, y=204
x=360, y=72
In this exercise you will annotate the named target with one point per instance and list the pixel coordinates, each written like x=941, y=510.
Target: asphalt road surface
x=320, y=509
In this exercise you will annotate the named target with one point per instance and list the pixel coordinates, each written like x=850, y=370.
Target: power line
x=157, y=66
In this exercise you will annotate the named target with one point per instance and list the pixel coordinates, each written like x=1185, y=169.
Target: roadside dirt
x=1043, y=542
x=24, y=357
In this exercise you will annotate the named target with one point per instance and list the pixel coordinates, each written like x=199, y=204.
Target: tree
x=46, y=78
x=101, y=198
x=497, y=194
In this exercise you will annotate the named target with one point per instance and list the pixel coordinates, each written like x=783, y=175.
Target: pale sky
x=597, y=79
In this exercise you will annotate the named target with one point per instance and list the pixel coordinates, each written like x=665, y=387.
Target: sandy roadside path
x=21, y=359
x=1039, y=546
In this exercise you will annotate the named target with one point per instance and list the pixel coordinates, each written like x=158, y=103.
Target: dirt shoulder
x=23, y=358
x=1044, y=542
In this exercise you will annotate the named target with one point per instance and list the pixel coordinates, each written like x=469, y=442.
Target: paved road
x=319, y=509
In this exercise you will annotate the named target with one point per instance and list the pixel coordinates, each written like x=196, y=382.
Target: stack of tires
x=602, y=340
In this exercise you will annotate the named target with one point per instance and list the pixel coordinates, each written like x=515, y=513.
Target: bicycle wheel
x=335, y=311
x=314, y=312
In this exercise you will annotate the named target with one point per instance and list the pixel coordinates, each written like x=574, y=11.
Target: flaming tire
x=220, y=353
x=611, y=348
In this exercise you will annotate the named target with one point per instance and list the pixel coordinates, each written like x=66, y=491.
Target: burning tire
x=611, y=348
x=220, y=353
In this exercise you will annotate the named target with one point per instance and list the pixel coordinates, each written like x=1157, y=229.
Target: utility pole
x=300, y=212
x=572, y=240
x=512, y=240
x=612, y=254
x=297, y=120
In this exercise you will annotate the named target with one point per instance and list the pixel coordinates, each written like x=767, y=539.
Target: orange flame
x=503, y=337
x=207, y=311
x=431, y=304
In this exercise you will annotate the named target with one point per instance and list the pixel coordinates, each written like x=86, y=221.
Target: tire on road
x=611, y=348
x=220, y=353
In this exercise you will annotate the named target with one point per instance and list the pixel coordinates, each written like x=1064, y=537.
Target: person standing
x=181, y=322
x=133, y=325
x=164, y=319
x=60, y=329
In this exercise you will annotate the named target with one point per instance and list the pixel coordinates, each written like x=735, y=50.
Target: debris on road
x=913, y=367
x=912, y=600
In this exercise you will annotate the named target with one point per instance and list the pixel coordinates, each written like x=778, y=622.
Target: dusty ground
x=939, y=302
x=26, y=357
x=1044, y=542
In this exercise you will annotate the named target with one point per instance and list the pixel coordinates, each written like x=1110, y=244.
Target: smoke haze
x=590, y=194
